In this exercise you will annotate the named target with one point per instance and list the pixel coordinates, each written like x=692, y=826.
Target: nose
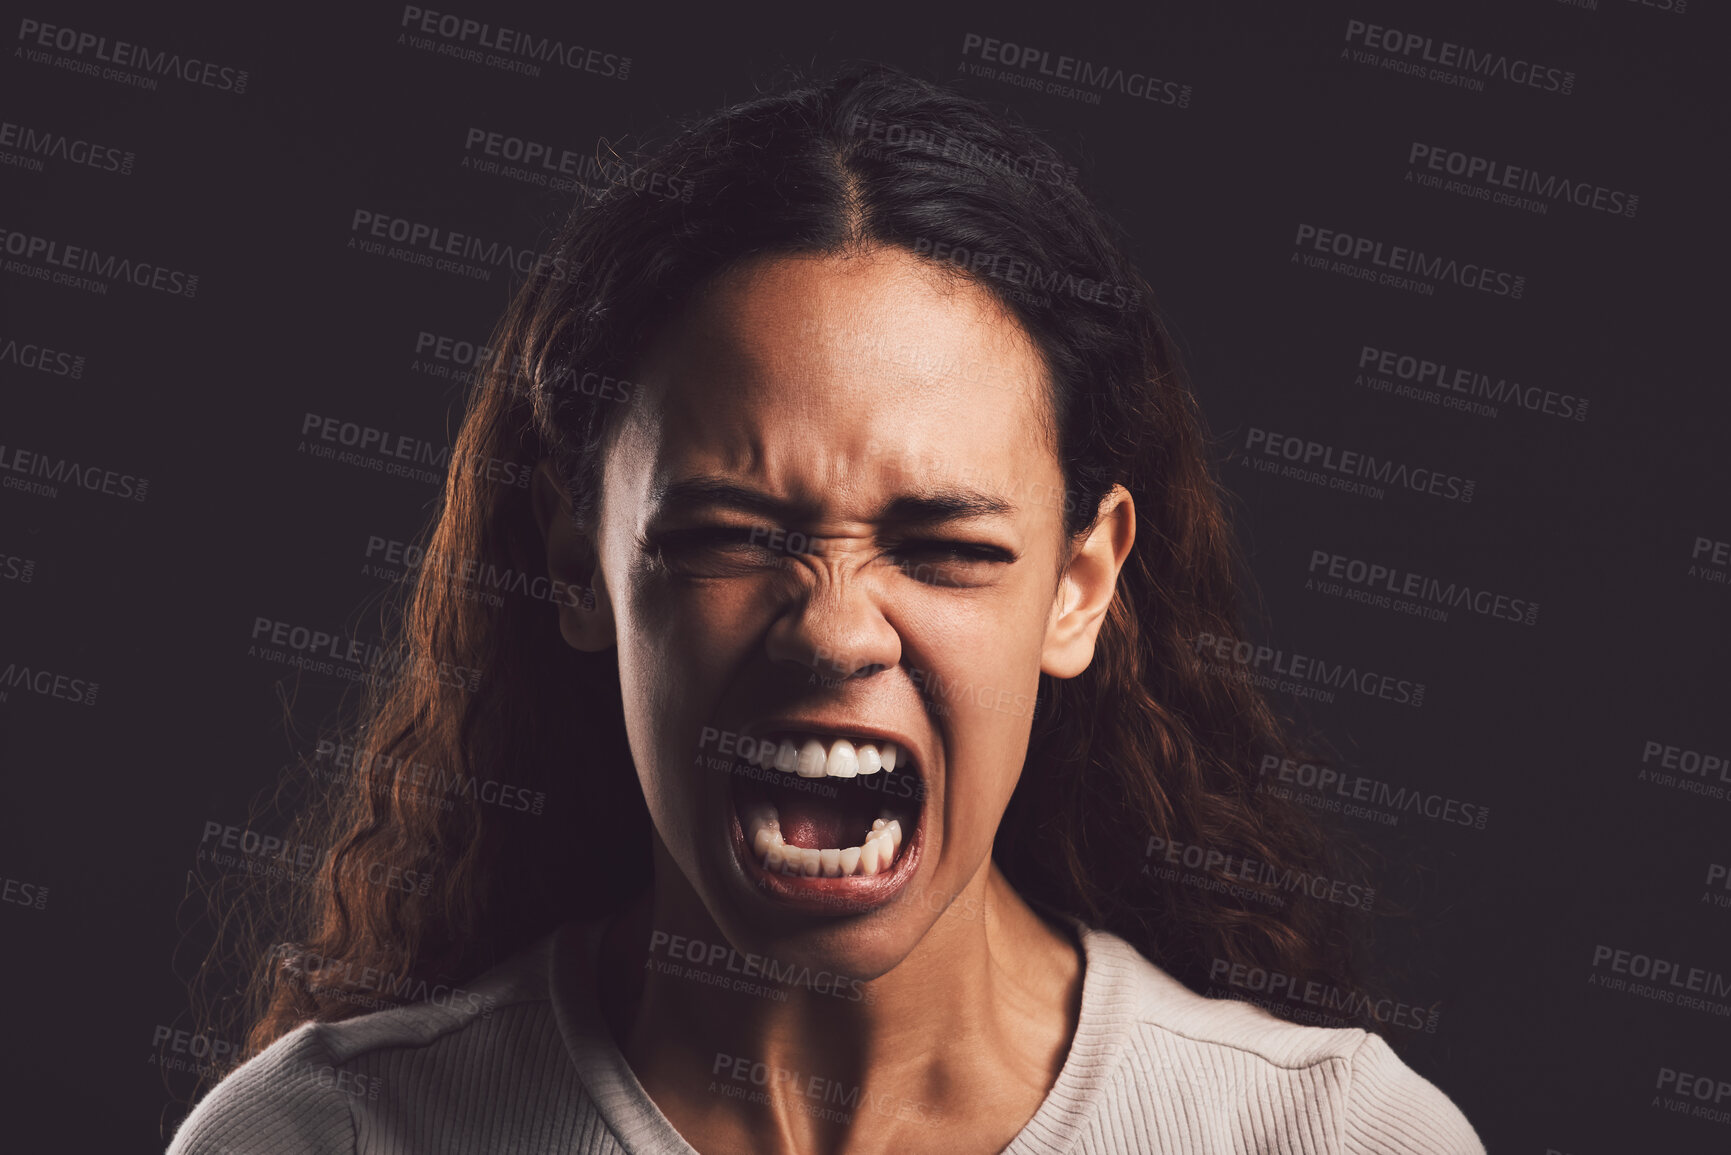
x=836, y=630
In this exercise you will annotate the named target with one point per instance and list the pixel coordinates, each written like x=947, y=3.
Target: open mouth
x=819, y=808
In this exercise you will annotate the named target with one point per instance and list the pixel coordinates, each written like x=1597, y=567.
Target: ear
x=1086, y=586
x=585, y=613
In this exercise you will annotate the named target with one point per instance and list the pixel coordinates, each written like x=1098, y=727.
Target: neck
x=974, y=1021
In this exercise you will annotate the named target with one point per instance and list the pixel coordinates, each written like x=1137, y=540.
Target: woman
x=873, y=536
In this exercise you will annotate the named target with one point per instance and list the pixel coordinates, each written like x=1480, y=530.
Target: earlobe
x=1087, y=586
x=580, y=594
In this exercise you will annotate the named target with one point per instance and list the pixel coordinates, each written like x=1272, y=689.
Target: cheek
x=690, y=633
x=679, y=648
x=986, y=638
x=983, y=683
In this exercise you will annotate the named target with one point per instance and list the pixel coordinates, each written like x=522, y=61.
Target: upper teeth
x=813, y=757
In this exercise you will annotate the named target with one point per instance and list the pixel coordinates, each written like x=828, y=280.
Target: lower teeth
x=874, y=856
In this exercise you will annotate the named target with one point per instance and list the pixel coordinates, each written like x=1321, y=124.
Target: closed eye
x=707, y=535
x=945, y=562
x=711, y=550
x=735, y=550
x=936, y=549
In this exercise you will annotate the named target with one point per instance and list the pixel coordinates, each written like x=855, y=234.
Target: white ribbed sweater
x=1154, y=1067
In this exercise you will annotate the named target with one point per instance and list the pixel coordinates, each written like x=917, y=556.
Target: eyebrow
x=927, y=506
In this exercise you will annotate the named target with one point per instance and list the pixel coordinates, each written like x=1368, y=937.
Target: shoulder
x=1391, y=1107
x=311, y=1091
x=1235, y=1061
x=283, y=1101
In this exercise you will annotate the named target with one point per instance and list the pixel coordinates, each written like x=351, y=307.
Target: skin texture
x=830, y=387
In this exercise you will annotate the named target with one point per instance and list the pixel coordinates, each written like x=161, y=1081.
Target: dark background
x=1544, y=725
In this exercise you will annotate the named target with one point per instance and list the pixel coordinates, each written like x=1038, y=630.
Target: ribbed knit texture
x=1154, y=1067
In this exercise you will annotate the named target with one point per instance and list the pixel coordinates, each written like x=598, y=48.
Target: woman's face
x=831, y=521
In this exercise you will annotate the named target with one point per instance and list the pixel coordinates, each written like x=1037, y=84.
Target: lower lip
x=815, y=894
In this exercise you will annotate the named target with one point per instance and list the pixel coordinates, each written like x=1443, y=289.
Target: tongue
x=818, y=823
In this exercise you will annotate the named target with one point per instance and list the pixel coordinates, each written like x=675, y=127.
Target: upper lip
x=843, y=728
